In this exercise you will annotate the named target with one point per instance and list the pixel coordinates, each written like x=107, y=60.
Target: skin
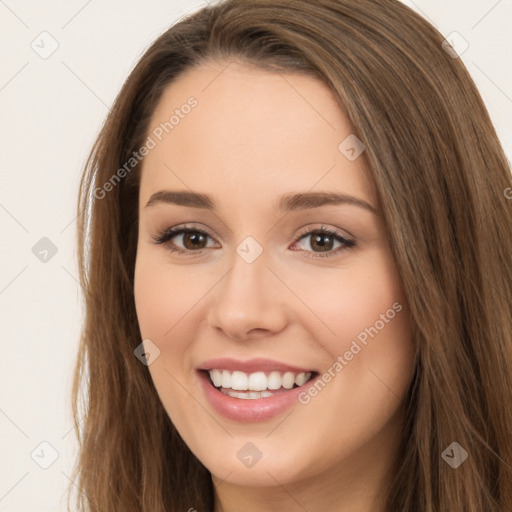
x=254, y=136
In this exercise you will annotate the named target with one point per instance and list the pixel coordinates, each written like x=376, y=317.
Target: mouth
x=256, y=385
x=252, y=390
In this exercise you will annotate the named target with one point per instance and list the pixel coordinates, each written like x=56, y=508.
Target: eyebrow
x=286, y=203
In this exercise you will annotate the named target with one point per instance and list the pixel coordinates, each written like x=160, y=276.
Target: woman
x=295, y=251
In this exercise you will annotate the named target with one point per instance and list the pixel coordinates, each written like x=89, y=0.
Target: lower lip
x=257, y=409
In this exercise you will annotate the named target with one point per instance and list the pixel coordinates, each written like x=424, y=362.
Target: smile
x=256, y=385
x=253, y=390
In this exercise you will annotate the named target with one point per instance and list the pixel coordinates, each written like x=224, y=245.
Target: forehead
x=250, y=131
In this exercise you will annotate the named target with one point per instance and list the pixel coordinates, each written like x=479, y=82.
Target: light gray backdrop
x=62, y=63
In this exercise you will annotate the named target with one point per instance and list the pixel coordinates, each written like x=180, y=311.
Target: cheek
x=163, y=299
x=163, y=296
x=349, y=302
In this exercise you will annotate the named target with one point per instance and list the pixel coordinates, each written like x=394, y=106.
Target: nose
x=249, y=302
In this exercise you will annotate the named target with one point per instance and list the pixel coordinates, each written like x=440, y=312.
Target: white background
x=51, y=110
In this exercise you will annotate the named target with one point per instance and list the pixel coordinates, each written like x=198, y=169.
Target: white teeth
x=252, y=395
x=226, y=379
x=256, y=382
x=216, y=376
x=274, y=380
x=240, y=381
x=236, y=394
x=288, y=380
x=301, y=378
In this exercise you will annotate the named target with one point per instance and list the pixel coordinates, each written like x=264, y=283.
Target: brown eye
x=184, y=240
x=323, y=242
x=194, y=240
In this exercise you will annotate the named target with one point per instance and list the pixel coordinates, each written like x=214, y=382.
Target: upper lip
x=250, y=365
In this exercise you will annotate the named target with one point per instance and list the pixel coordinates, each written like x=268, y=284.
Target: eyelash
x=166, y=235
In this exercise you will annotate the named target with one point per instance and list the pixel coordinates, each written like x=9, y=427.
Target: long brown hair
x=442, y=180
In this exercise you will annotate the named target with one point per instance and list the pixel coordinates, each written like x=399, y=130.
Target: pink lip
x=250, y=365
x=247, y=410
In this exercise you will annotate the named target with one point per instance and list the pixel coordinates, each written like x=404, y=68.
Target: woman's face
x=256, y=295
